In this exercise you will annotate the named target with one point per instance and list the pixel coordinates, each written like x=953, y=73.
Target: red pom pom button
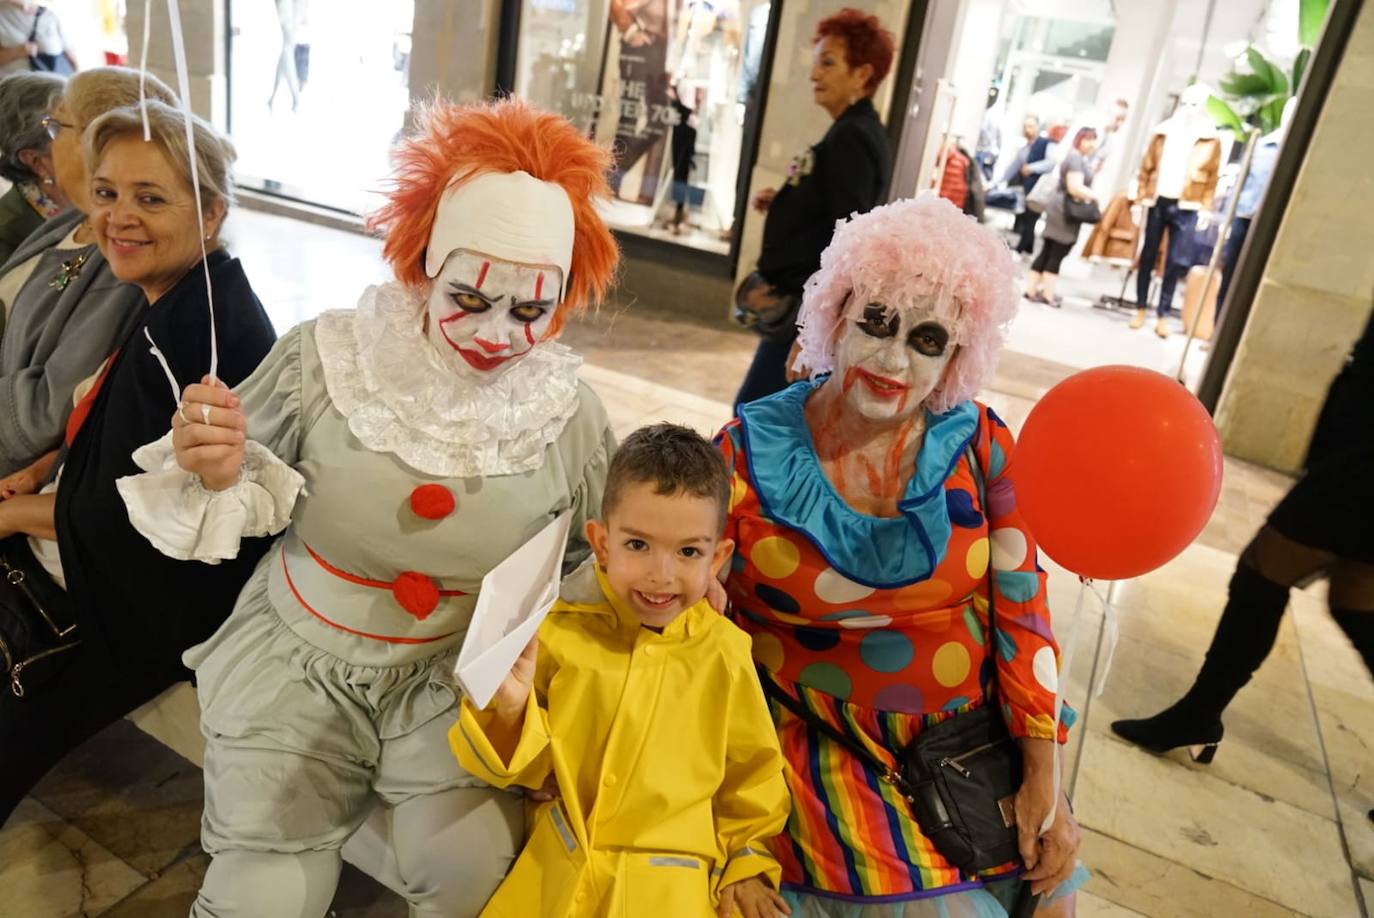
x=432, y=501
x=416, y=593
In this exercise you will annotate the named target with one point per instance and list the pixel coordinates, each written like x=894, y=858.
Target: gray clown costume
x=328, y=687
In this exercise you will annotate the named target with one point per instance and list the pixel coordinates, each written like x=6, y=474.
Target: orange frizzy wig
x=507, y=135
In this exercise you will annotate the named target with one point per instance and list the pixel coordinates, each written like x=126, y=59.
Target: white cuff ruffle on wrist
x=183, y=519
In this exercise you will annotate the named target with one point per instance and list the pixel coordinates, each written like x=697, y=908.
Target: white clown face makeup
x=890, y=360
x=485, y=313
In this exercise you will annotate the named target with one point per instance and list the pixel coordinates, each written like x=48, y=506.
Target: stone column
x=453, y=49
x=203, y=30
x=1316, y=293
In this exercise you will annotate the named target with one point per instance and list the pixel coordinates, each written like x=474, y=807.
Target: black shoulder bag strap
x=895, y=778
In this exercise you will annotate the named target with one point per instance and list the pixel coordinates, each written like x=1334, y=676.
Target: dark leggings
x=1051, y=255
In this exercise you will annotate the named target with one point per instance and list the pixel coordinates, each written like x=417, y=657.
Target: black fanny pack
x=960, y=777
x=37, y=621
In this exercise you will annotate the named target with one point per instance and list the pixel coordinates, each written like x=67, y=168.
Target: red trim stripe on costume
x=291, y=584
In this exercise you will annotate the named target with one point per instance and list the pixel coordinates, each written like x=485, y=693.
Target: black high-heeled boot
x=1247, y=631
x=1358, y=625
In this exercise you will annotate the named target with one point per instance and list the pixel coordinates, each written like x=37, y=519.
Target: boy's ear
x=724, y=549
x=598, y=538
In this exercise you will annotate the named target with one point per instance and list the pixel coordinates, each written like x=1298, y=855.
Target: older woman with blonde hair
x=125, y=611
x=65, y=310
x=890, y=585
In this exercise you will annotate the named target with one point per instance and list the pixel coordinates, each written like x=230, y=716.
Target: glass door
x=318, y=93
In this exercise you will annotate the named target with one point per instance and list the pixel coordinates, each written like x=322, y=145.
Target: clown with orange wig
x=402, y=448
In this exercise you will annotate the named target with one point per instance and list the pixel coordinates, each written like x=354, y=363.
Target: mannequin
x=1251, y=193
x=1178, y=176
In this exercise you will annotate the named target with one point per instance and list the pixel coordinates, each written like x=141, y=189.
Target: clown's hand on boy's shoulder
x=751, y=898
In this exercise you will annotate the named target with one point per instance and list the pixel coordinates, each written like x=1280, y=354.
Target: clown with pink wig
x=874, y=514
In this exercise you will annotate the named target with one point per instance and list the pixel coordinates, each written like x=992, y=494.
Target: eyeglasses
x=52, y=126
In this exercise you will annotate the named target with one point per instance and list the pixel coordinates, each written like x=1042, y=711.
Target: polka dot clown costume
x=878, y=621
x=405, y=447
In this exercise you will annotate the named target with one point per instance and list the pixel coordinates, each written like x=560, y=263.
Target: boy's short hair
x=675, y=459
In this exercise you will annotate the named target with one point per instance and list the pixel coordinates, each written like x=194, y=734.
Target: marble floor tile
x=1282, y=765
x=131, y=794
x=1144, y=883
x=1270, y=848
x=169, y=894
x=50, y=869
x=1091, y=906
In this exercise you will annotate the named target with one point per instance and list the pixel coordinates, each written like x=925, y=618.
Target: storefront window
x=664, y=83
x=298, y=70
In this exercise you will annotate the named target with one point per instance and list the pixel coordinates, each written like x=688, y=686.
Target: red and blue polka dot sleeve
x=1027, y=654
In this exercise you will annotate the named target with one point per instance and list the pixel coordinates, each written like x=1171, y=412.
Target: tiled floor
x=1276, y=826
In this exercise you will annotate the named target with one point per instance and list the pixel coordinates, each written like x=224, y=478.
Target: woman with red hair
x=405, y=447
x=845, y=173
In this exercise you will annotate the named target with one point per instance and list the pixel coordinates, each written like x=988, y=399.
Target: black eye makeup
x=929, y=339
x=878, y=322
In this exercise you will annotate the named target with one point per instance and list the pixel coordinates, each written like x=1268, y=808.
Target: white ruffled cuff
x=183, y=519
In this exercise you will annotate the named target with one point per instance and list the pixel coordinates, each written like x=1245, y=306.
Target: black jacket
x=846, y=173
x=136, y=604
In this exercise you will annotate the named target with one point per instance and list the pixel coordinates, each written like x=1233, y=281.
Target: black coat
x=846, y=173
x=133, y=603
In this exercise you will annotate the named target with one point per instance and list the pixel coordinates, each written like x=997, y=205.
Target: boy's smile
x=660, y=550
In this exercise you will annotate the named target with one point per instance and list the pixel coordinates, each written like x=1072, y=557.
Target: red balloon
x=1117, y=470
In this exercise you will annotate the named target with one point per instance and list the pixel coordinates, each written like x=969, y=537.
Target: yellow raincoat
x=666, y=759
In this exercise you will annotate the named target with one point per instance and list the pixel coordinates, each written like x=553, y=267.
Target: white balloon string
x=143, y=69
x=184, y=89
x=1065, y=670
x=167, y=370
x=1112, y=629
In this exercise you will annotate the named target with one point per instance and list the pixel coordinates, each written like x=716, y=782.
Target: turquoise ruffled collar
x=793, y=491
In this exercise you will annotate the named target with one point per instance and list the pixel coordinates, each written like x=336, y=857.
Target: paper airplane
x=515, y=597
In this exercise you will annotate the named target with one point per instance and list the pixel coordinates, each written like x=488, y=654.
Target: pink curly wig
x=921, y=251
x=508, y=135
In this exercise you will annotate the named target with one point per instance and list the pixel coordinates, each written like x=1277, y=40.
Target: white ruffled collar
x=382, y=373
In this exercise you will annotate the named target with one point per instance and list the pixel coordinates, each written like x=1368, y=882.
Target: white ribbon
x=1113, y=633
x=184, y=92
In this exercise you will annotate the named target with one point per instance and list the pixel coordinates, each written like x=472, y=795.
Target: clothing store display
x=645, y=823
x=1185, y=171
x=1116, y=234
x=1164, y=214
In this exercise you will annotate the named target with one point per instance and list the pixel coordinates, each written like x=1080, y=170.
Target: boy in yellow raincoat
x=644, y=705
